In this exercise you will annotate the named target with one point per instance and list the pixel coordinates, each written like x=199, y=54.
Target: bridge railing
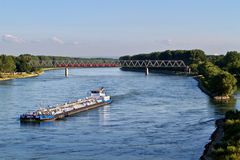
x=73, y=63
x=153, y=63
x=111, y=63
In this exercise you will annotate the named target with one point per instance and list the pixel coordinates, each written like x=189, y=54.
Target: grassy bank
x=17, y=75
x=215, y=82
x=9, y=76
x=48, y=69
x=225, y=140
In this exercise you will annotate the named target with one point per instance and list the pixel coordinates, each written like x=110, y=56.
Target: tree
x=125, y=57
x=232, y=62
x=217, y=81
x=7, y=64
x=208, y=69
x=22, y=63
x=0, y=63
x=223, y=84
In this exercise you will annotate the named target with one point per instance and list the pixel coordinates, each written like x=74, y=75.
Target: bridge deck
x=113, y=63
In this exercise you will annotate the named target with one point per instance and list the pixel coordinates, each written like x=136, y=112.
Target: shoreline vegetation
x=26, y=65
x=207, y=92
x=225, y=140
x=20, y=75
x=215, y=82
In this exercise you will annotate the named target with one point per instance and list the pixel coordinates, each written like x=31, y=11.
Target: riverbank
x=18, y=75
x=201, y=86
x=48, y=69
x=215, y=139
x=224, y=144
x=9, y=76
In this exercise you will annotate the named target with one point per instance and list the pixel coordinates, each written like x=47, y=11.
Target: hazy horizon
x=105, y=28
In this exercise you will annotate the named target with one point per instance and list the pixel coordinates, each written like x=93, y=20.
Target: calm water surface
x=158, y=117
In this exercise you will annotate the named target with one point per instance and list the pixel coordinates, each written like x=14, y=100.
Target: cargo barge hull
x=66, y=114
x=97, y=98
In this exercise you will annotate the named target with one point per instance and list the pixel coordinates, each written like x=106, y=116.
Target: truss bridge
x=111, y=63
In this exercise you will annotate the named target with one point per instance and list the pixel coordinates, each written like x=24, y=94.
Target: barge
x=96, y=99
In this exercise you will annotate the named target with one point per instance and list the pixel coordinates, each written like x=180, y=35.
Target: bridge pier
x=66, y=72
x=188, y=70
x=146, y=71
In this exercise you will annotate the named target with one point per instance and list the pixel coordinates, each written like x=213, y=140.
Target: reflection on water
x=154, y=117
x=104, y=115
x=36, y=124
x=221, y=107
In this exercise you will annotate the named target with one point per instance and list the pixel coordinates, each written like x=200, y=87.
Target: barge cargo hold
x=97, y=98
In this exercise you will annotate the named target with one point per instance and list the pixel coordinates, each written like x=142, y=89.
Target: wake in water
x=120, y=97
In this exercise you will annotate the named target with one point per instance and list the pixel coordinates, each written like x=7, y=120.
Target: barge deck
x=97, y=99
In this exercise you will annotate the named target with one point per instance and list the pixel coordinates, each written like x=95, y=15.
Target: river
x=157, y=117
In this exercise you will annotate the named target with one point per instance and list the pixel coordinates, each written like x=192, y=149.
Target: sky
x=112, y=28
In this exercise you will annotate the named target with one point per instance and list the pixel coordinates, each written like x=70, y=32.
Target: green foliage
x=216, y=59
x=194, y=67
x=22, y=63
x=7, y=63
x=188, y=56
x=207, y=69
x=217, y=81
x=125, y=57
x=223, y=83
x=229, y=148
x=29, y=63
x=230, y=62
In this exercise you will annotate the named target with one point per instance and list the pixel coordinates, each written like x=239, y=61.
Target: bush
x=223, y=83
x=217, y=81
x=229, y=148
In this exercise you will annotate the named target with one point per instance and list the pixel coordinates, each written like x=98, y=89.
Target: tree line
x=230, y=62
x=188, y=56
x=29, y=63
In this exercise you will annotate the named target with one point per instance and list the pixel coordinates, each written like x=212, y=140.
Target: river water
x=155, y=117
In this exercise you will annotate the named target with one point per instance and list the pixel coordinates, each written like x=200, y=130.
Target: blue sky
x=111, y=28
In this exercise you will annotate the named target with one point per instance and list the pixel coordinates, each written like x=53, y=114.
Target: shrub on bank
x=229, y=148
x=217, y=81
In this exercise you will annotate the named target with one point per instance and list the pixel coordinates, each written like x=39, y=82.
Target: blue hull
x=28, y=118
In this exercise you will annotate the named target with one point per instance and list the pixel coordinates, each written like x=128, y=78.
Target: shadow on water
x=221, y=107
x=6, y=82
x=36, y=124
